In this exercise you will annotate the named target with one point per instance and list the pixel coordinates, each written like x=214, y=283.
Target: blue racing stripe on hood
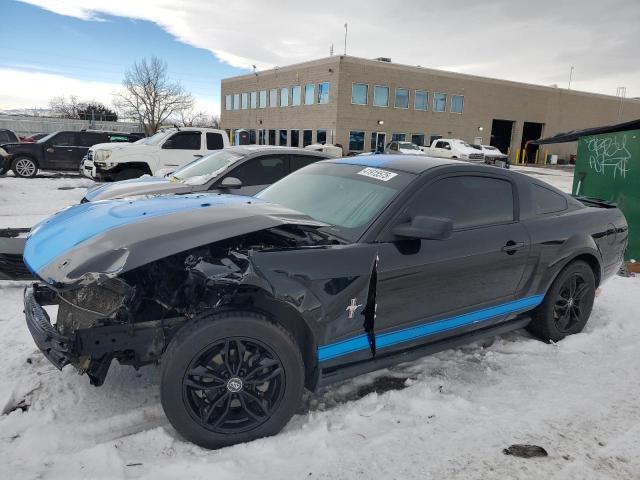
x=69, y=228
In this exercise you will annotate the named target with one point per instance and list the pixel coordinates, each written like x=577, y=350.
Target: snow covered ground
x=447, y=416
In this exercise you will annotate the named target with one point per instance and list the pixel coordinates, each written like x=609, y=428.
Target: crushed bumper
x=55, y=346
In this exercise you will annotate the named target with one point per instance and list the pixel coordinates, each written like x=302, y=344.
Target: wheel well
x=290, y=319
x=134, y=165
x=593, y=262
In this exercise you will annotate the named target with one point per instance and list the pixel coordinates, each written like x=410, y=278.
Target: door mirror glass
x=230, y=183
x=421, y=226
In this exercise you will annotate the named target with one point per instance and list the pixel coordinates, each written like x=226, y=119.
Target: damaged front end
x=132, y=314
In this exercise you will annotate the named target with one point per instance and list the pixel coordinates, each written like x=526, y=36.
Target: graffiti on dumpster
x=609, y=154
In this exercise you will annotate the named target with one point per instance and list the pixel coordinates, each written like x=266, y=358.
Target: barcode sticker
x=377, y=173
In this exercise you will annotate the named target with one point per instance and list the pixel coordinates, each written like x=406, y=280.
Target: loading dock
x=501, y=132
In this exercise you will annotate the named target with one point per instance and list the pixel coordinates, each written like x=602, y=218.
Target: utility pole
x=570, y=77
x=345, y=38
x=622, y=93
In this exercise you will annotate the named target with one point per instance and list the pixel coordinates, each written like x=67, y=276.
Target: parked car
x=60, y=151
x=7, y=136
x=168, y=149
x=403, y=147
x=453, y=148
x=333, y=150
x=493, y=156
x=343, y=267
x=242, y=170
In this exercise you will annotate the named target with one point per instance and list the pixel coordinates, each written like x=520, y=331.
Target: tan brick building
x=355, y=102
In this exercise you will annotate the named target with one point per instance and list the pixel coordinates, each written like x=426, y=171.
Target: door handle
x=198, y=156
x=512, y=247
x=49, y=150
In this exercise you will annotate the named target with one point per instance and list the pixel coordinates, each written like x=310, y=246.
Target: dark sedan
x=342, y=267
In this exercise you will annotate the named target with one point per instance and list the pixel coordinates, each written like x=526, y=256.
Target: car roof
x=252, y=149
x=404, y=163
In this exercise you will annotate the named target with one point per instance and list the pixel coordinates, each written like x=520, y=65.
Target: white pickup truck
x=168, y=149
x=453, y=148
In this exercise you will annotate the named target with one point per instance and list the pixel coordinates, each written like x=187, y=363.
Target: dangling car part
x=344, y=267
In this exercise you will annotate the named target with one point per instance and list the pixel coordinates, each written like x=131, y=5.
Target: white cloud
x=23, y=89
x=501, y=38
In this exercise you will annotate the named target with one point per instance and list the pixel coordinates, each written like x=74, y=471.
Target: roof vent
x=383, y=59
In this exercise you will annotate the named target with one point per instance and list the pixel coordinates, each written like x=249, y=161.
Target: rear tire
x=24, y=167
x=567, y=305
x=128, y=174
x=229, y=378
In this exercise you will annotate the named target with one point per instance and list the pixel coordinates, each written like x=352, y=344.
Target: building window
x=402, y=98
x=323, y=92
x=263, y=99
x=421, y=100
x=321, y=136
x=433, y=138
x=381, y=96
x=398, y=137
x=283, y=138
x=295, y=138
x=236, y=101
x=306, y=137
x=272, y=137
x=253, y=99
x=261, y=139
x=227, y=102
x=295, y=95
x=418, y=139
x=356, y=141
x=308, y=94
x=273, y=98
x=245, y=101
x=439, y=102
x=284, y=97
x=457, y=103
x=359, y=93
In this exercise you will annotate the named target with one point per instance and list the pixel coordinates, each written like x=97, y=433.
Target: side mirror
x=231, y=183
x=430, y=228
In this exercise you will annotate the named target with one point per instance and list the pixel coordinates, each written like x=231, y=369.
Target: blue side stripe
x=360, y=342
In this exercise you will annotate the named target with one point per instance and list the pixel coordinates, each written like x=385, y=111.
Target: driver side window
x=63, y=139
x=183, y=141
x=469, y=201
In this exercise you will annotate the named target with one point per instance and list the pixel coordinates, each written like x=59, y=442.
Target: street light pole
x=345, y=38
x=570, y=77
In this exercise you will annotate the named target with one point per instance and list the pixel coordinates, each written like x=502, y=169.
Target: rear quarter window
x=546, y=200
x=214, y=141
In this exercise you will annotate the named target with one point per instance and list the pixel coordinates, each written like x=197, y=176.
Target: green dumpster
x=608, y=168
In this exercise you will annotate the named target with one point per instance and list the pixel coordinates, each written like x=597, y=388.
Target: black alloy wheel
x=568, y=310
x=234, y=385
x=231, y=377
x=567, y=304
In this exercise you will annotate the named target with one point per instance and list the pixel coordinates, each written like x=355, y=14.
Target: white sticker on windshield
x=377, y=173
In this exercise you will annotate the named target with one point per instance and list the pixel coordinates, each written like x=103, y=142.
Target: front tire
x=567, y=305
x=24, y=167
x=229, y=378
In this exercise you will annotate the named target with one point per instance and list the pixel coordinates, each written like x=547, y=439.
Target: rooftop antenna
x=570, y=77
x=345, y=38
x=254, y=70
x=331, y=50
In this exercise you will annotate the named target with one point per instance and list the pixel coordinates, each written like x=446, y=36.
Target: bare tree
x=63, y=107
x=149, y=96
x=191, y=118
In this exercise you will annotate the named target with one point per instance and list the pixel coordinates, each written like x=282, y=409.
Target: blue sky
x=102, y=50
x=54, y=47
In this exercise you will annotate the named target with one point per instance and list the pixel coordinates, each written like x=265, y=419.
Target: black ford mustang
x=343, y=267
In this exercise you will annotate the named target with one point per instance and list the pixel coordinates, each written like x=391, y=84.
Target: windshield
x=203, y=169
x=46, y=137
x=154, y=139
x=347, y=197
x=408, y=146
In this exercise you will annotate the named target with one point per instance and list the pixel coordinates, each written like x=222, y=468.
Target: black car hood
x=86, y=242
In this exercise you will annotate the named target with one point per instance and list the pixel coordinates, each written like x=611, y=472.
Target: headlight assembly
x=101, y=155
